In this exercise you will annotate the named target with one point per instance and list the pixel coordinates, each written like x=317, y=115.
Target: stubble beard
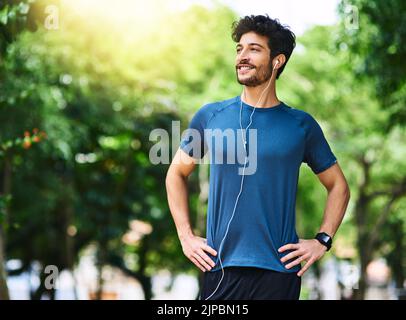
x=261, y=75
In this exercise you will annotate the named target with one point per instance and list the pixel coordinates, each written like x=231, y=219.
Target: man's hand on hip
x=306, y=250
x=194, y=248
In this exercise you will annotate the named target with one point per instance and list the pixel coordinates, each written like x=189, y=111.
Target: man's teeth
x=246, y=68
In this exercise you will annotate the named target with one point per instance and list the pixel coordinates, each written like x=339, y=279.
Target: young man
x=252, y=250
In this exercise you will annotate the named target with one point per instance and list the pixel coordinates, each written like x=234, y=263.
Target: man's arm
x=194, y=247
x=337, y=200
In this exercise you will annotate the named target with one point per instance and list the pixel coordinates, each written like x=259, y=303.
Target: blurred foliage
x=355, y=122
x=375, y=30
x=13, y=18
x=97, y=108
x=98, y=92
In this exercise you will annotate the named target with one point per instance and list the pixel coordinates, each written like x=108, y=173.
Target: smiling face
x=253, y=60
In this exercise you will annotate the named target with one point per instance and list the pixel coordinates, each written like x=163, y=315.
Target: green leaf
x=24, y=8
x=4, y=15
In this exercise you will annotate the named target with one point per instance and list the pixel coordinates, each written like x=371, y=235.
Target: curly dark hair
x=281, y=39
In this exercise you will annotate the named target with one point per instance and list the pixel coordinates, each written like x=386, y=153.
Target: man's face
x=253, y=60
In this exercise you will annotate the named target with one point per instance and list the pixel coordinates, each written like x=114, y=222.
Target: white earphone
x=276, y=63
x=243, y=174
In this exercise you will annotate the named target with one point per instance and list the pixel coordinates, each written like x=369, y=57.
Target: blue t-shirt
x=264, y=218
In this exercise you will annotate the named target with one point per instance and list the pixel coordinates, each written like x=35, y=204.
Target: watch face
x=326, y=238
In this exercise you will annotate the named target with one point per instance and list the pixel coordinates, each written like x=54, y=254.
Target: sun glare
x=126, y=13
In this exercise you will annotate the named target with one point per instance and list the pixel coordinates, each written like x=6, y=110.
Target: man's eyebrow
x=250, y=44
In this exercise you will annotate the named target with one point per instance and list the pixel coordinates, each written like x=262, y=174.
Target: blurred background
x=83, y=211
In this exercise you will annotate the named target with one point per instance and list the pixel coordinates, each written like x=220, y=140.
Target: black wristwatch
x=324, y=239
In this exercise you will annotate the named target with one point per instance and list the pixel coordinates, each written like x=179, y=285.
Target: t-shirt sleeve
x=318, y=154
x=193, y=141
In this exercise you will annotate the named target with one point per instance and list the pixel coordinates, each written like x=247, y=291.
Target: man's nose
x=243, y=56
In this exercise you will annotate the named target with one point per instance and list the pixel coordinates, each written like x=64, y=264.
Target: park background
x=83, y=84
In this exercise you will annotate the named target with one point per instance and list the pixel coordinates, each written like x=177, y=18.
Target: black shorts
x=250, y=283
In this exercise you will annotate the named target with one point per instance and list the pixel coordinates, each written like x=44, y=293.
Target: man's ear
x=280, y=59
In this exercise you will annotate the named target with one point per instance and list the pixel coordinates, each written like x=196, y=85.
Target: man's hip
x=250, y=283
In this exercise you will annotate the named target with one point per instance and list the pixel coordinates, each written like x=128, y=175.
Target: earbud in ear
x=275, y=64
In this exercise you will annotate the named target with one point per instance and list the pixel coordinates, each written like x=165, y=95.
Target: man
x=252, y=250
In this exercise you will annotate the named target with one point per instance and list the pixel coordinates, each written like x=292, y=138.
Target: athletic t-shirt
x=264, y=217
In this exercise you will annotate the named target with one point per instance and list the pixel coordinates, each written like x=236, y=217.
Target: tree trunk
x=365, y=259
x=361, y=212
x=396, y=258
x=4, y=293
x=40, y=290
x=68, y=213
x=142, y=277
x=101, y=260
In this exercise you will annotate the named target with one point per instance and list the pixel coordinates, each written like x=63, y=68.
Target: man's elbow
x=348, y=193
x=168, y=177
x=172, y=174
x=342, y=188
x=345, y=190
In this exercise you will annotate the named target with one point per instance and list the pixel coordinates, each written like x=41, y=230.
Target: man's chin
x=249, y=82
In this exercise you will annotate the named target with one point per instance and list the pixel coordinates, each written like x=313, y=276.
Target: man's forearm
x=194, y=247
x=176, y=187
x=336, y=205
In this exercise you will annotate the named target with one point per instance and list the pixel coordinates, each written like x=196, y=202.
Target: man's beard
x=260, y=76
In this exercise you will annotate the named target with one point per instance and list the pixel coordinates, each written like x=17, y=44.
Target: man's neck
x=253, y=94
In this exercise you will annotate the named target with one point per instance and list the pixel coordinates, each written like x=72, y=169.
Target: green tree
x=92, y=175
x=13, y=20
x=370, y=156
x=374, y=31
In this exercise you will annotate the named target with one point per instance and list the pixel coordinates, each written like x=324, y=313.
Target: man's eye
x=253, y=49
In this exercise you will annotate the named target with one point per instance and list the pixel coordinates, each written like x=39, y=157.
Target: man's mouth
x=244, y=68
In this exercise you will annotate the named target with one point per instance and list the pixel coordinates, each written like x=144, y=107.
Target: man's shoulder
x=217, y=105
x=210, y=109
x=299, y=114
